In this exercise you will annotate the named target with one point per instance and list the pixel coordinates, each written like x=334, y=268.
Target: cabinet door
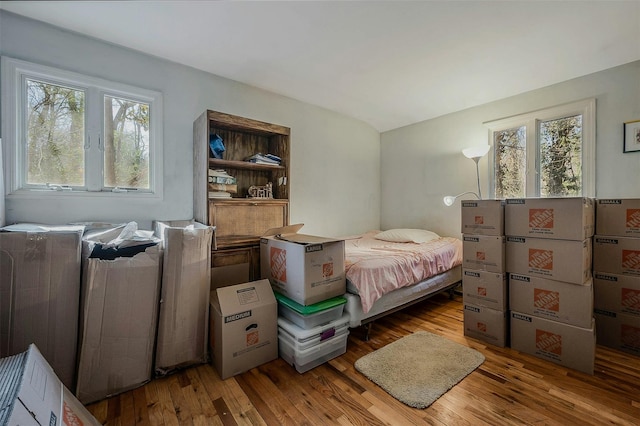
x=229, y=267
x=242, y=223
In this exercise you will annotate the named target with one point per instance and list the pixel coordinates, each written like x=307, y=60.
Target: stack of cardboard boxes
x=549, y=252
x=307, y=274
x=616, y=269
x=484, y=282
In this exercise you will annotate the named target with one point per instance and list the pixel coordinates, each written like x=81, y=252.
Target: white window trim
x=586, y=108
x=13, y=73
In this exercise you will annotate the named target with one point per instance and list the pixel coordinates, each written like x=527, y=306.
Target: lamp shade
x=476, y=151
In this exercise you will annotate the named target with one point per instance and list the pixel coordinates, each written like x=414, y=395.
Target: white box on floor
x=485, y=289
x=557, y=218
x=307, y=349
x=551, y=299
x=617, y=293
x=617, y=255
x=618, y=331
x=305, y=268
x=183, y=321
x=32, y=394
x=483, y=252
x=560, y=260
x=243, y=333
x=618, y=217
x=486, y=324
x=482, y=217
x=40, y=269
x=561, y=343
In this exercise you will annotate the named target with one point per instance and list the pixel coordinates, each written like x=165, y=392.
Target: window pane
x=510, y=162
x=55, y=134
x=126, y=144
x=561, y=157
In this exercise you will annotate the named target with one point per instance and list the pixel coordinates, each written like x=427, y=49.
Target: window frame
x=531, y=121
x=14, y=103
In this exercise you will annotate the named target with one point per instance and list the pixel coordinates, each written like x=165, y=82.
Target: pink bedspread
x=378, y=267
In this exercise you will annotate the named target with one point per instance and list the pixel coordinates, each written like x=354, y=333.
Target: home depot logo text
x=633, y=218
x=631, y=259
x=541, y=218
x=278, y=262
x=546, y=299
x=630, y=299
x=541, y=259
x=549, y=342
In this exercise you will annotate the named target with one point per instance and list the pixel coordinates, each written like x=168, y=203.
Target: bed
x=403, y=268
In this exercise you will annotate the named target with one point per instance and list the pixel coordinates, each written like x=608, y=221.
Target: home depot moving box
x=486, y=324
x=564, y=344
x=617, y=255
x=554, y=300
x=560, y=260
x=557, y=218
x=617, y=293
x=484, y=253
x=32, y=394
x=482, y=217
x=305, y=268
x=619, y=331
x=485, y=289
x=119, y=317
x=40, y=293
x=184, y=299
x=244, y=327
x=618, y=217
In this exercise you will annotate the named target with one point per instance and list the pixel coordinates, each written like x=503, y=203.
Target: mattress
x=375, y=268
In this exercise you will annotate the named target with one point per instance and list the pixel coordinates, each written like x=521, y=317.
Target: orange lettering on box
x=541, y=259
x=480, y=255
x=630, y=298
x=479, y=220
x=482, y=327
x=327, y=270
x=549, y=342
x=541, y=218
x=482, y=291
x=278, y=262
x=546, y=299
x=631, y=259
x=633, y=218
x=630, y=336
x=253, y=338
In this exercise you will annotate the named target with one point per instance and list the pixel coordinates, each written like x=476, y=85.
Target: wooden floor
x=509, y=388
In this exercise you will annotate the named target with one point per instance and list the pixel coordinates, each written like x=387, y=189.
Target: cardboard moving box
x=482, y=217
x=486, y=324
x=616, y=293
x=485, y=289
x=484, y=253
x=616, y=255
x=618, y=217
x=243, y=333
x=555, y=300
x=619, y=331
x=558, y=218
x=560, y=260
x=40, y=293
x=561, y=343
x=305, y=268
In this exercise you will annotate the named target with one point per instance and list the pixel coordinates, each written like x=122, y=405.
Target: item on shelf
x=219, y=194
x=216, y=145
x=223, y=187
x=264, y=159
x=265, y=191
x=221, y=184
x=220, y=176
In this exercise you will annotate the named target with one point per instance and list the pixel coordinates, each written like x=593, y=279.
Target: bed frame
x=400, y=298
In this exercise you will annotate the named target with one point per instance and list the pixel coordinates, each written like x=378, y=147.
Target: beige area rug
x=419, y=368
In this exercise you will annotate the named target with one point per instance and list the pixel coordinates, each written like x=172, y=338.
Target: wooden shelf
x=246, y=165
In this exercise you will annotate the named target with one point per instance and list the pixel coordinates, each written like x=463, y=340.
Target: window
x=80, y=135
x=546, y=153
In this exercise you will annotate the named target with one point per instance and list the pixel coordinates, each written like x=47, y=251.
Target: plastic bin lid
x=310, y=309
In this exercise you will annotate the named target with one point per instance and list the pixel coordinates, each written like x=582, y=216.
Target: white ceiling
x=388, y=63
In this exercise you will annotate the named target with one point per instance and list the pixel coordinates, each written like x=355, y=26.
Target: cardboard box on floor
x=616, y=255
x=618, y=217
x=616, y=293
x=485, y=289
x=550, y=299
x=32, y=394
x=40, y=293
x=118, y=320
x=486, y=324
x=183, y=322
x=563, y=344
x=557, y=218
x=484, y=253
x=618, y=331
x=560, y=260
x=243, y=332
x=482, y=217
x=305, y=268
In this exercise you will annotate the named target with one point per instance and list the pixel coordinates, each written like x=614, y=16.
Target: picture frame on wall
x=631, y=136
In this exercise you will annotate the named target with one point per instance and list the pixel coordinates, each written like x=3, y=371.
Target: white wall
x=335, y=160
x=423, y=162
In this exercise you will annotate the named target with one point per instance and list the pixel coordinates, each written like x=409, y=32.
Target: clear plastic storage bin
x=310, y=316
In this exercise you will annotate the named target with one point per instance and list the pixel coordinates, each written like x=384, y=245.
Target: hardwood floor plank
x=141, y=412
x=169, y=414
x=154, y=405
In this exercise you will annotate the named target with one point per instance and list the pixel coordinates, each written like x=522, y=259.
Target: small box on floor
x=486, y=324
x=617, y=293
x=484, y=253
x=557, y=218
x=618, y=217
x=485, y=289
x=617, y=255
x=305, y=268
x=563, y=344
x=618, y=331
x=482, y=217
x=243, y=329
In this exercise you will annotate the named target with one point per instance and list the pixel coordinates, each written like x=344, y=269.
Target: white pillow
x=407, y=236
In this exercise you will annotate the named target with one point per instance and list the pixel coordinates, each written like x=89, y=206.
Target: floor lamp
x=475, y=154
